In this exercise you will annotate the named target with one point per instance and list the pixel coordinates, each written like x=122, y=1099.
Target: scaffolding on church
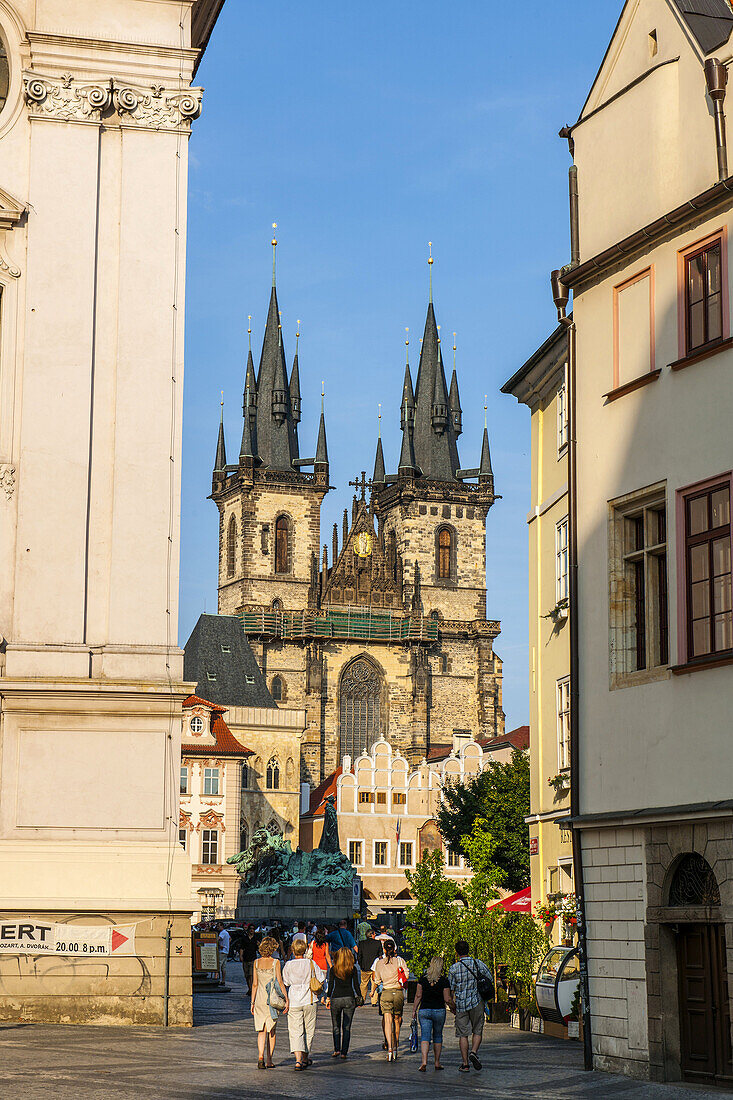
x=360, y=624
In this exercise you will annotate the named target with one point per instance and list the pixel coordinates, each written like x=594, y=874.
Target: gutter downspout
x=560, y=295
x=716, y=79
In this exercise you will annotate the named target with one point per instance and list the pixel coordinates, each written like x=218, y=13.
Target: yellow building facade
x=541, y=384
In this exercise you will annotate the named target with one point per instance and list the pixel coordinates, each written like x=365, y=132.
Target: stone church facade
x=384, y=633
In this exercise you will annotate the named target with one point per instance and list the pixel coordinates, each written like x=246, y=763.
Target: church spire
x=435, y=449
x=295, y=382
x=379, y=477
x=439, y=408
x=321, y=446
x=454, y=400
x=486, y=473
x=220, y=462
x=248, y=448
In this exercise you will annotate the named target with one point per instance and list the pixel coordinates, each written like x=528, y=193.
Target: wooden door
x=704, y=1007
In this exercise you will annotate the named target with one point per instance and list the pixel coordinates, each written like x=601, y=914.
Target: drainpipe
x=716, y=78
x=167, y=974
x=561, y=296
x=574, y=221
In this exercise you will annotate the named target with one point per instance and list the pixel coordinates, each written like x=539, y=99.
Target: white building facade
x=653, y=404
x=98, y=107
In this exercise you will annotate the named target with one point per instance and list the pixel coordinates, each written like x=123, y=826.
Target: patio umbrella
x=516, y=903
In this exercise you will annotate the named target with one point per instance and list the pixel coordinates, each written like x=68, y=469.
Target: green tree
x=432, y=927
x=497, y=799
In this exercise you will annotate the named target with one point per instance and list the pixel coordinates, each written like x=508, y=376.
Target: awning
x=516, y=903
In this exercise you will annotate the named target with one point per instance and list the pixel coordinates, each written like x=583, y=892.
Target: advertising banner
x=33, y=937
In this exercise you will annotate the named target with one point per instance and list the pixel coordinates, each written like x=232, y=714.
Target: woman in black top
x=341, y=993
x=431, y=997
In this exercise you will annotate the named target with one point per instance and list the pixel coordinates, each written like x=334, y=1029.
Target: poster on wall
x=34, y=937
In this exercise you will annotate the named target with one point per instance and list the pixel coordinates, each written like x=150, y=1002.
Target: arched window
x=273, y=774
x=694, y=882
x=231, y=546
x=277, y=689
x=444, y=554
x=4, y=75
x=435, y=616
x=360, y=707
x=276, y=605
x=243, y=836
x=245, y=777
x=282, y=545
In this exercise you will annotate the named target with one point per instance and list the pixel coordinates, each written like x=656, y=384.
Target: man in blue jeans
x=463, y=979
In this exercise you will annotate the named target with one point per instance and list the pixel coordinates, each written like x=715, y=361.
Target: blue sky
x=365, y=131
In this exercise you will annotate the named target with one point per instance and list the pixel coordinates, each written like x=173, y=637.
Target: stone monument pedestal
x=294, y=903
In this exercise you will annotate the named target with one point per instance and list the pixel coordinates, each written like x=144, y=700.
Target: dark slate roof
x=218, y=648
x=436, y=454
x=711, y=21
x=277, y=443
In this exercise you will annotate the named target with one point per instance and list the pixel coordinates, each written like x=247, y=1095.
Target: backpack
x=484, y=984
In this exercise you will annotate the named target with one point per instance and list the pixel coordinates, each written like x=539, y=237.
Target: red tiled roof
x=439, y=752
x=197, y=701
x=226, y=742
x=517, y=739
x=321, y=793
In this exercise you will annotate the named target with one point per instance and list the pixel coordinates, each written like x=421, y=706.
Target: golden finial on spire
x=249, y=330
x=486, y=406
x=222, y=406
x=430, y=266
x=454, y=351
x=297, y=336
x=438, y=333
x=274, y=252
x=323, y=393
x=407, y=347
x=379, y=422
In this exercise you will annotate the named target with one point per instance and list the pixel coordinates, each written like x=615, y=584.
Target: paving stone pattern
x=216, y=1060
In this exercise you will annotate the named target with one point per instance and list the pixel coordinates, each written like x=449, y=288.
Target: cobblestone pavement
x=217, y=1060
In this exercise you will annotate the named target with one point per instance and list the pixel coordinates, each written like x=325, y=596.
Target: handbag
x=316, y=986
x=413, y=1037
x=275, y=995
x=401, y=977
x=484, y=984
x=357, y=991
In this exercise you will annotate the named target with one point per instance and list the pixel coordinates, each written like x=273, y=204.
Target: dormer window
x=226, y=649
x=196, y=724
x=211, y=677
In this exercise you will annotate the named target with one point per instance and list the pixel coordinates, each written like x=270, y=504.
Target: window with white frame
x=563, y=723
x=355, y=853
x=561, y=561
x=405, y=853
x=562, y=416
x=183, y=838
x=209, y=846
x=184, y=780
x=196, y=725
x=381, y=852
x=452, y=858
x=638, y=592
x=211, y=780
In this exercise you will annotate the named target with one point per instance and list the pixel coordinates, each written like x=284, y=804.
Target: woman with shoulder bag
x=342, y=996
x=304, y=981
x=432, y=997
x=267, y=1000
x=391, y=970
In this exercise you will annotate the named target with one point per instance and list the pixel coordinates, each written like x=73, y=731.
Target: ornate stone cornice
x=155, y=107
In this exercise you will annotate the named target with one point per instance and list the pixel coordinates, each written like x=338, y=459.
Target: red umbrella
x=516, y=903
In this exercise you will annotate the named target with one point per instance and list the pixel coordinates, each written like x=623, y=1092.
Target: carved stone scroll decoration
x=7, y=478
x=64, y=99
x=157, y=108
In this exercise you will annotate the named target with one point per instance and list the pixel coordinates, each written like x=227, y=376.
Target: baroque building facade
x=386, y=635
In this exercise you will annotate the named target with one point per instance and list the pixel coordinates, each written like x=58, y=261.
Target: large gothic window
x=231, y=546
x=360, y=713
x=282, y=545
x=445, y=553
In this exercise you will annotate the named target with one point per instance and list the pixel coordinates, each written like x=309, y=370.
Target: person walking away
x=464, y=977
x=370, y=949
x=432, y=997
x=320, y=951
x=299, y=934
x=300, y=975
x=266, y=969
x=248, y=953
x=223, y=939
x=341, y=995
x=392, y=998
x=362, y=930
x=341, y=937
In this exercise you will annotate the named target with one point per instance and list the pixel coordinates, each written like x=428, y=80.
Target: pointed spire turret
x=379, y=475
x=454, y=400
x=439, y=407
x=407, y=409
x=280, y=385
x=321, y=463
x=486, y=473
x=220, y=462
x=295, y=383
x=247, y=449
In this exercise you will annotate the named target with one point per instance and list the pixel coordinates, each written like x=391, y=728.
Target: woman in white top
x=297, y=975
x=388, y=971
